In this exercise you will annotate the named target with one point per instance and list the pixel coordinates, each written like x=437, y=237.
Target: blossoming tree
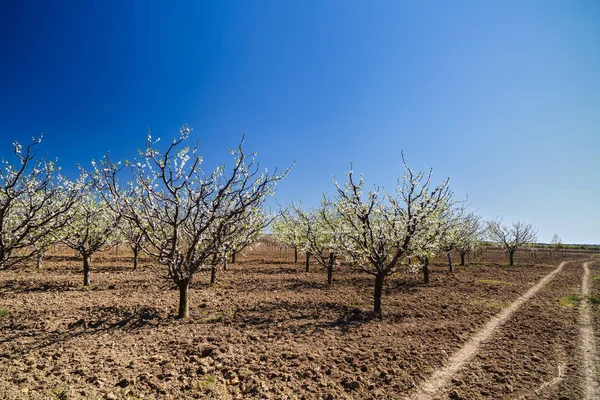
x=468, y=235
x=134, y=237
x=184, y=212
x=93, y=226
x=238, y=233
x=318, y=234
x=376, y=228
x=437, y=236
x=35, y=201
x=286, y=230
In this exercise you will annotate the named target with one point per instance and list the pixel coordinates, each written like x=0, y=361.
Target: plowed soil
x=268, y=329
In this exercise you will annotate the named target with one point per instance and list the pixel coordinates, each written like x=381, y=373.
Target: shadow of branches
x=23, y=286
x=300, y=318
x=99, y=319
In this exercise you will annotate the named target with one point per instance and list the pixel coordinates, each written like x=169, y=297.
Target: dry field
x=268, y=329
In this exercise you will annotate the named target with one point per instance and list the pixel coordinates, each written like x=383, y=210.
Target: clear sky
x=503, y=97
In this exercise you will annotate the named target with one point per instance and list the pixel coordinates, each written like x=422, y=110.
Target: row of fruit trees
x=163, y=204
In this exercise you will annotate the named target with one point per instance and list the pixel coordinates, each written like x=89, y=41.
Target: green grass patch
x=214, y=318
x=574, y=299
x=358, y=304
x=493, y=282
x=4, y=312
x=58, y=392
x=570, y=300
x=222, y=285
x=595, y=300
x=207, y=382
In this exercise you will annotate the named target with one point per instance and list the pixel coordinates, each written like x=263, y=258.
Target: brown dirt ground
x=268, y=329
x=595, y=308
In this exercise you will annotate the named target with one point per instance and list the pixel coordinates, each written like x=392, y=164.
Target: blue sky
x=502, y=97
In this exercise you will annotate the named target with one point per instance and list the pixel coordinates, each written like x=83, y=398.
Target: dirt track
x=588, y=342
x=443, y=375
x=535, y=354
x=270, y=330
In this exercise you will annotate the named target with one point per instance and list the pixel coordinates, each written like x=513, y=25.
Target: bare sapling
x=511, y=237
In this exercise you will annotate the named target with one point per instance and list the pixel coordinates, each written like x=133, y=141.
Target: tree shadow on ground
x=402, y=286
x=265, y=261
x=297, y=285
x=61, y=258
x=117, y=317
x=301, y=317
x=99, y=319
x=274, y=271
x=18, y=286
x=117, y=268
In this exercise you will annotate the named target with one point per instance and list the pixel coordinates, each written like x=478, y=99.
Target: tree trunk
x=307, y=262
x=330, y=269
x=462, y=259
x=184, y=301
x=225, y=263
x=450, y=261
x=117, y=250
x=136, y=252
x=379, y=278
x=426, y=272
x=233, y=257
x=213, y=273
x=295, y=255
x=511, y=256
x=40, y=259
x=86, y=269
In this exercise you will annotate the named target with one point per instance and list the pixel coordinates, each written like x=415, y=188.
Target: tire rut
x=586, y=336
x=440, y=378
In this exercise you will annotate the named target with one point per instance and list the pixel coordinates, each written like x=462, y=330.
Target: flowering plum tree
x=318, y=234
x=454, y=232
x=468, y=235
x=377, y=229
x=134, y=237
x=436, y=236
x=182, y=211
x=450, y=229
x=236, y=234
x=44, y=243
x=34, y=204
x=249, y=229
x=92, y=227
x=286, y=230
x=511, y=237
